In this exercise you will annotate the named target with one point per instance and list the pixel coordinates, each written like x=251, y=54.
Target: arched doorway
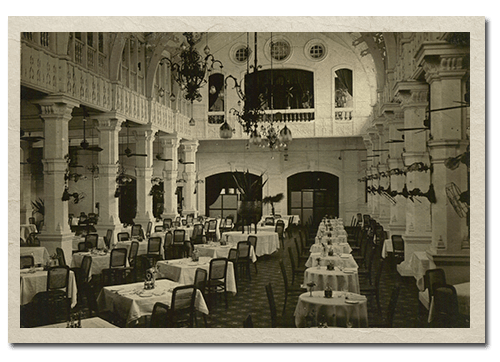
x=127, y=202
x=222, y=196
x=312, y=195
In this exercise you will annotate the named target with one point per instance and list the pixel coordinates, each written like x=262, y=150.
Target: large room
x=245, y=179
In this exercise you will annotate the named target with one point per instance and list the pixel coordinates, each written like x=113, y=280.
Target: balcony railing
x=79, y=51
x=344, y=114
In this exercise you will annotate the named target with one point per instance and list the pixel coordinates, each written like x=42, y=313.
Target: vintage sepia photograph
x=189, y=177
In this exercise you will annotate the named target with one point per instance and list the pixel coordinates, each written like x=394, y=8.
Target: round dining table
x=343, y=280
x=343, y=309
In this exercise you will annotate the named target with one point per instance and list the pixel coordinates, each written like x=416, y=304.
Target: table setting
x=133, y=301
x=327, y=308
x=183, y=271
x=267, y=241
x=40, y=254
x=337, y=272
x=34, y=280
x=220, y=250
x=100, y=260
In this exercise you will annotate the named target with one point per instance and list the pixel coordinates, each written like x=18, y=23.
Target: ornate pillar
x=383, y=181
x=372, y=165
x=189, y=148
x=25, y=206
x=414, y=102
x=109, y=126
x=367, y=164
x=144, y=171
x=450, y=232
x=170, y=145
x=397, y=224
x=56, y=113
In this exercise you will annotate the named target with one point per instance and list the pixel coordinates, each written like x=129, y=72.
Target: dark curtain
x=289, y=88
x=344, y=77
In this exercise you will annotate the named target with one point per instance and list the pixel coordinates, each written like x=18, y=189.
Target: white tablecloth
x=132, y=302
x=143, y=247
x=183, y=271
x=94, y=322
x=78, y=239
x=26, y=230
x=267, y=242
x=40, y=254
x=342, y=248
x=99, y=262
x=342, y=260
x=285, y=218
x=386, y=248
x=336, y=279
x=337, y=311
x=33, y=283
x=215, y=250
x=420, y=263
x=331, y=240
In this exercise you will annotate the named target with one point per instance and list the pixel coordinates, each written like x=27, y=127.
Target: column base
x=169, y=215
x=53, y=241
x=102, y=229
x=396, y=229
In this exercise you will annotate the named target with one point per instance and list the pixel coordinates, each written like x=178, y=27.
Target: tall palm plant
x=273, y=200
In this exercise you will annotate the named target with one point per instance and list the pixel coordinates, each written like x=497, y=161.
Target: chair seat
x=215, y=283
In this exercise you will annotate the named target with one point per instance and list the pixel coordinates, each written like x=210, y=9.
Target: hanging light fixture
x=192, y=72
x=257, y=121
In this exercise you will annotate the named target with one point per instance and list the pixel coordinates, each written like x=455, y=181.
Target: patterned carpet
x=251, y=299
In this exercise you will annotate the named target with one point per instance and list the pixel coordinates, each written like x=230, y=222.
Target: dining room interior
x=245, y=180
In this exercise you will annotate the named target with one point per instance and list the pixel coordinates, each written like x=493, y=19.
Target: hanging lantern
x=255, y=138
x=226, y=131
x=285, y=135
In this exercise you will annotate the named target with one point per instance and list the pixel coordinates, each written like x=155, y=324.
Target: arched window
x=343, y=88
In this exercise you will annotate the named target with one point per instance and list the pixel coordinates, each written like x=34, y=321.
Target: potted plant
x=273, y=200
x=38, y=207
x=250, y=189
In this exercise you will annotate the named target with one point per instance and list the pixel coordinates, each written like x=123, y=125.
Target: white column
x=25, y=206
x=56, y=113
x=450, y=232
x=109, y=126
x=170, y=145
x=413, y=97
x=144, y=171
x=189, y=149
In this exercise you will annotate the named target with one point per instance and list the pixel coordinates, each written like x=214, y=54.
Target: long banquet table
x=34, y=281
x=132, y=301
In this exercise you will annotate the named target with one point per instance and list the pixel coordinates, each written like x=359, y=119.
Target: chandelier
x=192, y=72
x=257, y=120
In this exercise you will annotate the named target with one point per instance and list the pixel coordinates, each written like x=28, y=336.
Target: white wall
x=304, y=155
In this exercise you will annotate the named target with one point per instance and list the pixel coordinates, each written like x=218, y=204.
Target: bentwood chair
x=132, y=262
x=168, y=251
x=272, y=305
x=148, y=229
x=280, y=229
x=252, y=239
x=178, y=242
x=116, y=272
x=83, y=247
x=82, y=282
x=243, y=260
x=159, y=316
x=211, y=232
x=446, y=313
x=123, y=236
x=216, y=282
x=93, y=239
x=167, y=223
x=53, y=305
x=154, y=250
x=27, y=261
x=431, y=277
x=248, y=323
x=108, y=239
x=197, y=236
x=269, y=221
x=137, y=232
x=182, y=311
x=200, y=282
x=158, y=229
x=60, y=257
x=32, y=240
x=288, y=288
x=295, y=271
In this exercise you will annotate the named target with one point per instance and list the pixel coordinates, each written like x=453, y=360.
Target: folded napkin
x=350, y=270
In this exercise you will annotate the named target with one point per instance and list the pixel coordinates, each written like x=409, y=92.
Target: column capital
x=172, y=140
x=56, y=107
x=190, y=145
x=109, y=122
x=412, y=94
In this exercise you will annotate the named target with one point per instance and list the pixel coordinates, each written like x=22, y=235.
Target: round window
x=317, y=51
x=241, y=54
x=280, y=50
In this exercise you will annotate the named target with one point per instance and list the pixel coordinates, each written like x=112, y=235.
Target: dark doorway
x=158, y=199
x=221, y=195
x=312, y=195
x=127, y=202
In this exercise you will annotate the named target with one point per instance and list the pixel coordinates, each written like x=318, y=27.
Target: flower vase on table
x=311, y=285
x=149, y=281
